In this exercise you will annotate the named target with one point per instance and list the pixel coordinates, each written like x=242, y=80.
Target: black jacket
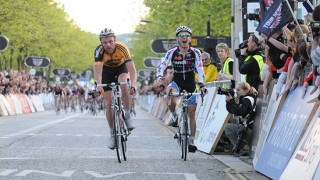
x=251, y=68
x=243, y=108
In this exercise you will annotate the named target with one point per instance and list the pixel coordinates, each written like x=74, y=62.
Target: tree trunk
x=19, y=59
x=11, y=58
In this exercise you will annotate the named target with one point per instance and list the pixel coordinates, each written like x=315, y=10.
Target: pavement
x=239, y=167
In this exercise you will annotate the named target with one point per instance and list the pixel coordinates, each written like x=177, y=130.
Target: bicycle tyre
x=117, y=132
x=123, y=142
x=185, y=137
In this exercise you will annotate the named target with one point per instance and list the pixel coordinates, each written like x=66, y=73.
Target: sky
x=94, y=15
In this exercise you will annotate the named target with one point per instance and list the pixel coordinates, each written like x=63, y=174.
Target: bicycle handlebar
x=185, y=94
x=114, y=84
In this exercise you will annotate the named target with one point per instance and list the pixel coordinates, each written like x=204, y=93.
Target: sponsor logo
x=37, y=61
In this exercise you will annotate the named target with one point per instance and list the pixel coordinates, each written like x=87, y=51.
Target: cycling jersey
x=183, y=66
x=120, y=55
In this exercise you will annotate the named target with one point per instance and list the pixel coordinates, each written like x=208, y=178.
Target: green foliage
x=42, y=28
x=167, y=15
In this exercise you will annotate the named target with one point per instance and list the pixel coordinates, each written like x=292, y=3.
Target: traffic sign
x=74, y=76
x=32, y=71
x=4, y=43
x=34, y=61
x=145, y=73
x=61, y=72
x=87, y=73
x=163, y=45
x=152, y=62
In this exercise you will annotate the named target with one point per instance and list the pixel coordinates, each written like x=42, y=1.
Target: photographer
x=251, y=61
x=243, y=106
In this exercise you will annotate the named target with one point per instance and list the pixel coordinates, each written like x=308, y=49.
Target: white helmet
x=183, y=28
x=106, y=33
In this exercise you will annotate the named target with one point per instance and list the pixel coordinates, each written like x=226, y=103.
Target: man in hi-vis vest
x=251, y=62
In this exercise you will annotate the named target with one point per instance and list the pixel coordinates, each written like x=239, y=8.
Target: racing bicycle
x=120, y=131
x=183, y=130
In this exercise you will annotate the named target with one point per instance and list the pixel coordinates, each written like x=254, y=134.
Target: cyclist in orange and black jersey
x=112, y=64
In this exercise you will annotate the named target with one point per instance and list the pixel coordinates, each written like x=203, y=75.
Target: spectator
x=210, y=70
x=251, y=62
x=243, y=106
x=226, y=73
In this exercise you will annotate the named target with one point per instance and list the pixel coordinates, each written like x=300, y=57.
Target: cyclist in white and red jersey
x=185, y=60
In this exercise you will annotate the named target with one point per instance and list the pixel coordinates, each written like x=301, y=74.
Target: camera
x=252, y=17
x=226, y=92
x=315, y=27
x=242, y=45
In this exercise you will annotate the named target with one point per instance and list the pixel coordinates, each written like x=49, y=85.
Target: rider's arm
x=132, y=71
x=199, y=66
x=97, y=72
x=165, y=63
x=98, y=64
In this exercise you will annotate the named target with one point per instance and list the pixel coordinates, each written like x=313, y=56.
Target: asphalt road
x=74, y=146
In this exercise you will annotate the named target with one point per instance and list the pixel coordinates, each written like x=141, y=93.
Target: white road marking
x=98, y=175
x=42, y=126
x=6, y=172
x=189, y=176
x=63, y=174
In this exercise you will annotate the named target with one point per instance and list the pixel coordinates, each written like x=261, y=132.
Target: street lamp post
x=144, y=32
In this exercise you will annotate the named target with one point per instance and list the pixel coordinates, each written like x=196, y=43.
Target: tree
x=42, y=28
x=168, y=15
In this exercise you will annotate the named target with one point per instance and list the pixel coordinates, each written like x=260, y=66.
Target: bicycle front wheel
x=117, y=133
x=123, y=142
x=184, y=137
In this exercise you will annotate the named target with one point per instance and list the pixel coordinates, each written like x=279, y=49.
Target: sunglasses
x=184, y=35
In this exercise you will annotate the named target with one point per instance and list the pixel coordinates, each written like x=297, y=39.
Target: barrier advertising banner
x=204, y=109
x=9, y=110
x=24, y=103
x=294, y=116
x=3, y=110
x=303, y=164
x=270, y=114
x=214, y=126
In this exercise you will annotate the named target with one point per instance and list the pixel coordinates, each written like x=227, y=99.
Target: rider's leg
x=55, y=101
x=171, y=100
x=107, y=96
x=125, y=97
x=171, y=103
x=192, y=115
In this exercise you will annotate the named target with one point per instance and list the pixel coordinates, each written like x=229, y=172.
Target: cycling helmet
x=183, y=28
x=106, y=33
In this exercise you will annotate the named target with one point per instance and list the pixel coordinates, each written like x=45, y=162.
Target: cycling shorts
x=191, y=100
x=111, y=74
x=58, y=93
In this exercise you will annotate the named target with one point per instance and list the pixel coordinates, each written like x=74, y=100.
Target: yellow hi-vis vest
x=225, y=68
x=259, y=60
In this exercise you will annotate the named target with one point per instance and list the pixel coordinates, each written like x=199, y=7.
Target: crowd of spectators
x=14, y=81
